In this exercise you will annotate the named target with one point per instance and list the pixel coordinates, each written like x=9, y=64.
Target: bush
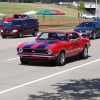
x=81, y=5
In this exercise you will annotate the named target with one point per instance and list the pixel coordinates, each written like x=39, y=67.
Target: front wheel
x=94, y=36
x=24, y=61
x=60, y=59
x=3, y=37
x=84, y=53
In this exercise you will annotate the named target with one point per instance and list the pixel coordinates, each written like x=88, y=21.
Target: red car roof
x=60, y=31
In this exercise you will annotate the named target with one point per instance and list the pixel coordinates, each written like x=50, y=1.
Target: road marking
x=43, y=78
x=11, y=59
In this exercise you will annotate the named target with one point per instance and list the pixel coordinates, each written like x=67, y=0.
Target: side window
x=98, y=23
x=94, y=24
x=62, y=36
x=28, y=22
x=25, y=23
x=16, y=16
x=31, y=22
x=34, y=22
x=70, y=36
x=73, y=36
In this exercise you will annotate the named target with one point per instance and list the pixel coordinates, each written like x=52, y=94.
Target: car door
x=72, y=44
x=67, y=44
x=25, y=29
x=74, y=41
x=29, y=26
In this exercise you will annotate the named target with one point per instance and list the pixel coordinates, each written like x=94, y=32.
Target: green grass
x=14, y=8
x=10, y=8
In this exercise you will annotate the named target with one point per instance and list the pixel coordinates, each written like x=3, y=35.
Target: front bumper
x=9, y=33
x=89, y=35
x=38, y=57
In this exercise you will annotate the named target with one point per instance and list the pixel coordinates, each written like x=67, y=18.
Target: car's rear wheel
x=84, y=53
x=94, y=36
x=35, y=33
x=24, y=61
x=60, y=59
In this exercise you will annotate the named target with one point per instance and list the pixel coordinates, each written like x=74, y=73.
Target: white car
x=88, y=16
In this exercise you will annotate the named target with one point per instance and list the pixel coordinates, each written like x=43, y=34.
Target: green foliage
x=81, y=5
x=98, y=1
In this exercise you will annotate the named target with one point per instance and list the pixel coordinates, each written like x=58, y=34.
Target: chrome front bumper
x=40, y=56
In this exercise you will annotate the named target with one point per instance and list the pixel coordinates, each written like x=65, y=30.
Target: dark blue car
x=90, y=29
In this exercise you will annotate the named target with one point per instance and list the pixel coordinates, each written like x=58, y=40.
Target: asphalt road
x=76, y=80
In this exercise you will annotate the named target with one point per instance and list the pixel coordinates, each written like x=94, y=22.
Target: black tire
x=84, y=53
x=60, y=59
x=24, y=61
x=3, y=37
x=35, y=33
x=20, y=34
x=94, y=36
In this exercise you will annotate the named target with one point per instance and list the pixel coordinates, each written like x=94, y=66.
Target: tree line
x=46, y=1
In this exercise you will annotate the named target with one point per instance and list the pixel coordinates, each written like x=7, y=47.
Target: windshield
x=15, y=23
x=86, y=24
x=26, y=16
x=53, y=36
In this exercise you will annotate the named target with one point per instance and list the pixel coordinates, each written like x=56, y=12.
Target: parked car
x=54, y=45
x=96, y=19
x=88, y=16
x=90, y=29
x=20, y=27
x=15, y=16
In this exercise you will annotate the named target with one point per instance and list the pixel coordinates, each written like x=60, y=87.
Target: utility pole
x=95, y=4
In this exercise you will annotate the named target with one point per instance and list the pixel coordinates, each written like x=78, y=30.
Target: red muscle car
x=54, y=45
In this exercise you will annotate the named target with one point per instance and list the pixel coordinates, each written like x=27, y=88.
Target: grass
x=10, y=8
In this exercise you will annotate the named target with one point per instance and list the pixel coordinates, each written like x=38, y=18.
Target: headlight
x=1, y=30
x=80, y=33
x=20, y=50
x=49, y=51
x=89, y=31
x=15, y=31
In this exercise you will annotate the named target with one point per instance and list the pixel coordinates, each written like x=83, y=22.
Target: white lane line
x=37, y=80
x=11, y=59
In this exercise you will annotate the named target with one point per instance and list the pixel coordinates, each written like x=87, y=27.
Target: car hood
x=11, y=28
x=40, y=44
x=83, y=28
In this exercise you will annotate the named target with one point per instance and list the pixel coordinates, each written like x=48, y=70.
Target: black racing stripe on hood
x=42, y=46
x=29, y=45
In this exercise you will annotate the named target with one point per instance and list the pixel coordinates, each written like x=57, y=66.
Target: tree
x=81, y=5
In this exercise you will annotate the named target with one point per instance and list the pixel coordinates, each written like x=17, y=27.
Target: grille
x=34, y=51
x=7, y=31
x=81, y=31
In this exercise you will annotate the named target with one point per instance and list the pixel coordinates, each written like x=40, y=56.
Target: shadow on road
x=72, y=90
